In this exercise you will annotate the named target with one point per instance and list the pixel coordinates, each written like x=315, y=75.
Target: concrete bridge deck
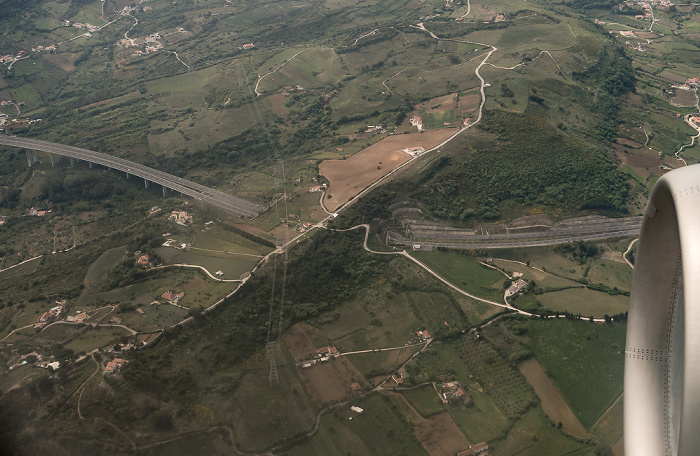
x=184, y=186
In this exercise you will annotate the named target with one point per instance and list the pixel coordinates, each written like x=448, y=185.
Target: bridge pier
x=32, y=157
x=127, y=175
x=90, y=165
x=165, y=191
x=145, y=182
x=72, y=161
x=53, y=163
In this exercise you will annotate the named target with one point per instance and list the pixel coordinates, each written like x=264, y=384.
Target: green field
x=534, y=434
x=611, y=273
x=465, y=272
x=380, y=429
x=79, y=338
x=482, y=421
x=584, y=360
x=609, y=427
x=425, y=400
x=232, y=265
x=585, y=301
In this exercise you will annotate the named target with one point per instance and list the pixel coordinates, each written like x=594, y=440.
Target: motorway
x=584, y=229
x=184, y=186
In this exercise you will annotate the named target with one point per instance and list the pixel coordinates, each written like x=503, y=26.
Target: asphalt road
x=184, y=186
x=511, y=241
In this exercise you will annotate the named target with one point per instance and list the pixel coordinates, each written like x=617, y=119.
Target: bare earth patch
x=550, y=399
x=65, y=61
x=277, y=102
x=438, y=105
x=619, y=448
x=298, y=342
x=684, y=98
x=467, y=104
x=629, y=143
x=438, y=434
x=330, y=381
x=485, y=13
x=643, y=161
x=672, y=77
x=349, y=177
x=195, y=284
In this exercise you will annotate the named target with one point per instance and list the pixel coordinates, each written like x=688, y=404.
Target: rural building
x=474, y=449
x=516, y=287
x=180, y=217
x=397, y=379
x=317, y=188
x=424, y=334
x=143, y=260
x=451, y=390
x=326, y=352
x=417, y=122
x=37, y=213
x=248, y=46
x=114, y=366
x=479, y=447
x=417, y=150
x=356, y=386
x=403, y=373
x=172, y=297
x=174, y=243
x=356, y=409
x=3, y=219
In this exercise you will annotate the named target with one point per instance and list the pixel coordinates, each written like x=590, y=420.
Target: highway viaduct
x=167, y=181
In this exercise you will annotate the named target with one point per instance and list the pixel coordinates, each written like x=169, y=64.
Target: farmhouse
x=325, y=352
x=115, y=365
x=171, y=297
x=51, y=313
x=479, y=447
x=451, y=390
x=248, y=46
x=413, y=151
x=143, y=260
x=81, y=317
x=174, y=243
x=356, y=386
x=37, y=213
x=402, y=372
x=424, y=334
x=516, y=287
x=417, y=122
x=180, y=217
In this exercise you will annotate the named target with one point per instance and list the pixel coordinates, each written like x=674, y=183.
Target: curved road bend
x=197, y=191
